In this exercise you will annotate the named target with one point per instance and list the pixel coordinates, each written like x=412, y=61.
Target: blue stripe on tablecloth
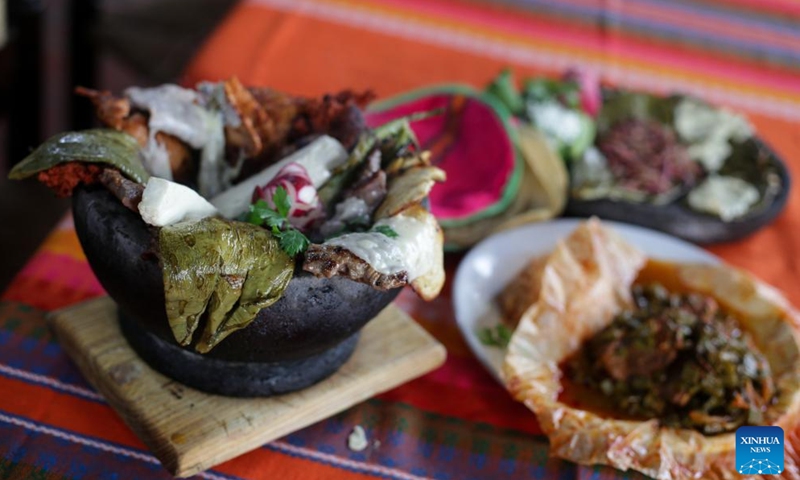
x=618, y=18
x=24, y=440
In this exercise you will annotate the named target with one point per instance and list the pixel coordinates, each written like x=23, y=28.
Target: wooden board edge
x=180, y=463
x=68, y=339
x=424, y=360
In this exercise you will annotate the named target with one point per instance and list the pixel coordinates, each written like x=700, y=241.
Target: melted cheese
x=727, y=197
x=176, y=111
x=155, y=158
x=413, y=251
x=709, y=131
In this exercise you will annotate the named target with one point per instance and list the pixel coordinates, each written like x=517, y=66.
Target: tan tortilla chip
x=522, y=292
x=429, y=285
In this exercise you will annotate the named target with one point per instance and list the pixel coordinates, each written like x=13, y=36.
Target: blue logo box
x=759, y=450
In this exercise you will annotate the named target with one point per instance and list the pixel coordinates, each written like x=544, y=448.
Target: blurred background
x=744, y=54
x=49, y=47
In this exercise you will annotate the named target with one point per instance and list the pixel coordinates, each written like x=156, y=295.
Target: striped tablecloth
x=456, y=422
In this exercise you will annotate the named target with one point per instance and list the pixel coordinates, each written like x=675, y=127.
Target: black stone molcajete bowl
x=301, y=339
x=679, y=219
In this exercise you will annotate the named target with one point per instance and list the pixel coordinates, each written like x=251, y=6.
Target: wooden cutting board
x=190, y=431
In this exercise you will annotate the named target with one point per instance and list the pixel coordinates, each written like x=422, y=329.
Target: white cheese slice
x=726, y=197
x=165, y=203
x=319, y=158
x=412, y=251
x=709, y=131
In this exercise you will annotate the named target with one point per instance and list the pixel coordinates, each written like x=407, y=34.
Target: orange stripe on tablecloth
x=50, y=281
x=553, y=36
x=482, y=401
x=65, y=411
x=772, y=253
x=512, y=50
x=63, y=242
x=100, y=421
x=585, y=34
x=44, y=295
x=301, y=32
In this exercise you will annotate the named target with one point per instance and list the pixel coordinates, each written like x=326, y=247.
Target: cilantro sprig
x=291, y=240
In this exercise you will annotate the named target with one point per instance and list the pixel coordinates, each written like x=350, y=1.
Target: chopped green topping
x=497, y=336
x=386, y=230
x=679, y=358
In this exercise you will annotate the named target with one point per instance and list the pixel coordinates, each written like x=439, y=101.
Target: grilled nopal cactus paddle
x=98, y=146
x=587, y=285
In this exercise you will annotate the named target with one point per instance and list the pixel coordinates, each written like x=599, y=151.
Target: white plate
x=494, y=262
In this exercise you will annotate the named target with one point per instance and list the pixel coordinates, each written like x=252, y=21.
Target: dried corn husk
x=585, y=283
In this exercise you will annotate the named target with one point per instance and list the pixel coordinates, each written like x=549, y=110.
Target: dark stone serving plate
x=301, y=339
x=678, y=219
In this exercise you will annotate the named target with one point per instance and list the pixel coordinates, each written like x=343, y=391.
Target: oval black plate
x=678, y=219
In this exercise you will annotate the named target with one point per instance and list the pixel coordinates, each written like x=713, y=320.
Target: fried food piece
x=111, y=111
x=115, y=112
x=269, y=122
x=279, y=120
x=337, y=115
x=522, y=292
x=252, y=115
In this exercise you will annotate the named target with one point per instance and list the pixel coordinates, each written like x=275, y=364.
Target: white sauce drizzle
x=175, y=110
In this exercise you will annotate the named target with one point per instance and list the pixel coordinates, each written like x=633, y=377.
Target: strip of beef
x=127, y=191
x=646, y=156
x=328, y=260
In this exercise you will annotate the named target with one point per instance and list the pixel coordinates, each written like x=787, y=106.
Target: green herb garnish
x=386, y=230
x=262, y=214
x=497, y=336
x=282, y=202
x=292, y=240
